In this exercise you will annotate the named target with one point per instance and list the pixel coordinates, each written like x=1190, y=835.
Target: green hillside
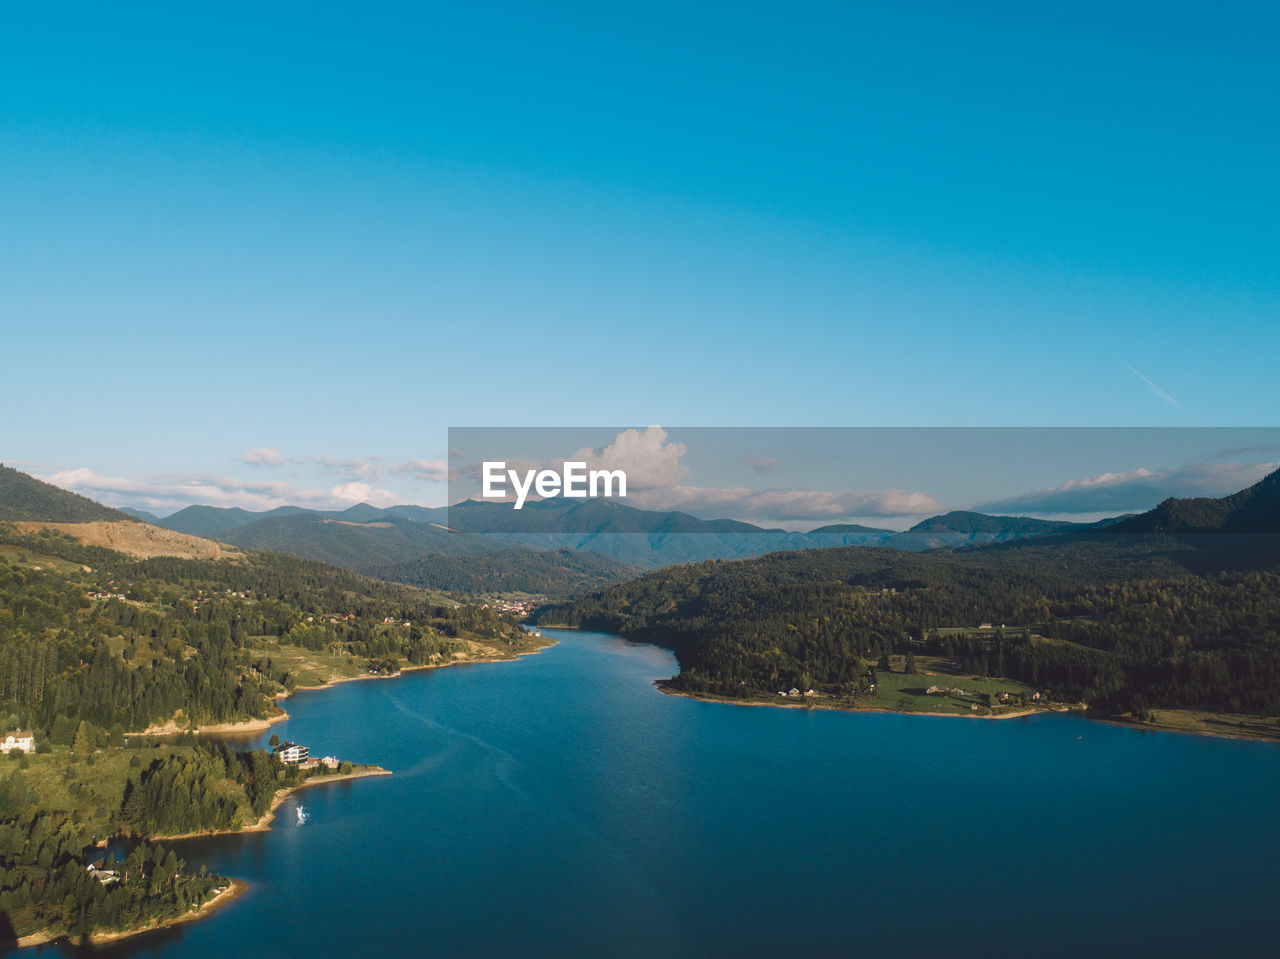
x=1124, y=622
x=25, y=498
x=542, y=572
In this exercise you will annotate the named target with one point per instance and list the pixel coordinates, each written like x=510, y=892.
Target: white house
x=291, y=754
x=17, y=739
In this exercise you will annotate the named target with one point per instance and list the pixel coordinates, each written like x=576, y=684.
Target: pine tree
x=82, y=745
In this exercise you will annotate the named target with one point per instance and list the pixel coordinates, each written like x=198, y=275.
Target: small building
x=18, y=739
x=104, y=876
x=291, y=754
x=793, y=691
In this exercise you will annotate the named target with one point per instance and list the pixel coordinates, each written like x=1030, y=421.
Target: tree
x=274, y=741
x=82, y=745
x=911, y=667
x=884, y=662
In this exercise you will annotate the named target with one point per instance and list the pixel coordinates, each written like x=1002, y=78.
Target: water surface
x=559, y=806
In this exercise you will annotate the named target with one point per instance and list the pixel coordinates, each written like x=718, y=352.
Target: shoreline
x=241, y=726
x=832, y=707
x=1246, y=735
x=235, y=889
x=171, y=728
x=1189, y=722
x=330, y=684
x=281, y=794
x=1261, y=736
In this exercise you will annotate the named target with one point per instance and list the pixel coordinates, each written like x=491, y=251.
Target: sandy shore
x=281, y=795
x=234, y=891
x=244, y=726
x=414, y=669
x=258, y=725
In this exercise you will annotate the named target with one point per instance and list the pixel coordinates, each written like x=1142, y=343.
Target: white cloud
x=172, y=492
x=263, y=456
x=433, y=471
x=654, y=474
x=778, y=504
x=649, y=461
x=1135, y=490
x=357, y=492
x=368, y=468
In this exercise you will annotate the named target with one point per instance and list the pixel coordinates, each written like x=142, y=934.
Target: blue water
x=561, y=806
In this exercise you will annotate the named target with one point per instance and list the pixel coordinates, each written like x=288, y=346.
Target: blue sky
x=332, y=233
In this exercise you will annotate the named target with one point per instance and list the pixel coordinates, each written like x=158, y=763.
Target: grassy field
x=902, y=692
x=20, y=556
x=1214, y=724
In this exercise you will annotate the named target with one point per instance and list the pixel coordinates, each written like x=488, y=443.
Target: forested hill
x=395, y=548
x=88, y=635
x=97, y=646
x=1120, y=622
x=24, y=497
x=1002, y=527
x=1252, y=510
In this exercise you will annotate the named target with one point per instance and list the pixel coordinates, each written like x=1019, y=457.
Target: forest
x=122, y=644
x=45, y=885
x=1122, y=624
x=96, y=647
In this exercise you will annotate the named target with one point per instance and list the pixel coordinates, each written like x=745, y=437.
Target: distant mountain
x=215, y=520
x=638, y=537
x=26, y=498
x=1252, y=510
x=563, y=572
x=851, y=528
x=353, y=543
x=962, y=528
x=141, y=514
x=391, y=547
x=1003, y=527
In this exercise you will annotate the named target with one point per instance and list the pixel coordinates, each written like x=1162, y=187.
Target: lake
x=559, y=805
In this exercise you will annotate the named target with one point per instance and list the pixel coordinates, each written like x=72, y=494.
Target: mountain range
x=559, y=545
x=643, y=538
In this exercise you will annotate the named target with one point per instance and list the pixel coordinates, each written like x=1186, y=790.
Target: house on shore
x=291, y=754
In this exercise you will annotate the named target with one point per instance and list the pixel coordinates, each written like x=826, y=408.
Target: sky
x=250, y=256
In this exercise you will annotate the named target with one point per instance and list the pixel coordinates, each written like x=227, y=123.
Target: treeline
x=215, y=790
x=122, y=643
x=1091, y=621
x=44, y=883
